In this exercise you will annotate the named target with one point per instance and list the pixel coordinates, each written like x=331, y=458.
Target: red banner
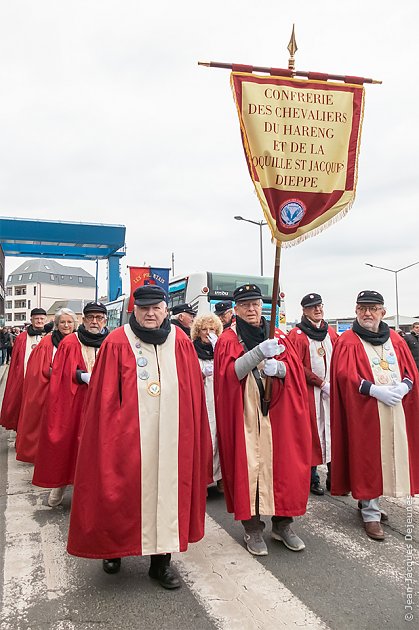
x=301, y=140
x=140, y=276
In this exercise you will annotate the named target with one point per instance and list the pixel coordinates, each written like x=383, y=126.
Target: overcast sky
x=105, y=116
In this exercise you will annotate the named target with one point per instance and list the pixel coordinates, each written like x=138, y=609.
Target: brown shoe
x=374, y=530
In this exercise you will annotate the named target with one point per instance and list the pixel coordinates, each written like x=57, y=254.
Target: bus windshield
x=222, y=285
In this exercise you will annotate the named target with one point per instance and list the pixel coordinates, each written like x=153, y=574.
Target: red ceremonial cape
x=300, y=342
x=106, y=518
x=60, y=429
x=290, y=426
x=355, y=423
x=12, y=398
x=34, y=400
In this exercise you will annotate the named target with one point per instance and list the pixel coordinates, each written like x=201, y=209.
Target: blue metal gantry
x=36, y=238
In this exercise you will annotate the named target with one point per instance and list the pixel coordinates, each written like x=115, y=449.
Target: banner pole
x=275, y=293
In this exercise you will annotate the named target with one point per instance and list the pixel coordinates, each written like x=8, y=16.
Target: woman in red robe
x=36, y=385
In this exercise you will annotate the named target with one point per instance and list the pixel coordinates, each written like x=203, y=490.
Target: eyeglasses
x=91, y=318
x=371, y=309
x=249, y=305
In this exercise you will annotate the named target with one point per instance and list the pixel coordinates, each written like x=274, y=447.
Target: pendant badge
x=321, y=351
x=144, y=375
x=384, y=364
x=138, y=344
x=142, y=361
x=33, y=346
x=153, y=389
x=383, y=379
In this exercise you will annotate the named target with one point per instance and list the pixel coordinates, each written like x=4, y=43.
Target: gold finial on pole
x=292, y=49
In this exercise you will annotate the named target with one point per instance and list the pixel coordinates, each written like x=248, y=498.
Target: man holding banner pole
x=265, y=452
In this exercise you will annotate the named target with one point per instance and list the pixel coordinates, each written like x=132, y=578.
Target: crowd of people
x=143, y=419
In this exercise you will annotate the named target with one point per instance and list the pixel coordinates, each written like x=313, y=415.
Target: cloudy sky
x=105, y=116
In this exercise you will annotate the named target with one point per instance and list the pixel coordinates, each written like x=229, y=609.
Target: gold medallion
x=153, y=388
x=384, y=364
x=321, y=351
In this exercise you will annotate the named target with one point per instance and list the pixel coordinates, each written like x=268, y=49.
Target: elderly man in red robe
x=23, y=346
x=374, y=413
x=142, y=469
x=313, y=340
x=58, y=442
x=265, y=455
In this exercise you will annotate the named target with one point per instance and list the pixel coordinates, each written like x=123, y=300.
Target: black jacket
x=412, y=340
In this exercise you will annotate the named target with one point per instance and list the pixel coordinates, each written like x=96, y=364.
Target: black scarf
x=187, y=331
x=93, y=340
x=56, y=337
x=252, y=336
x=35, y=332
x=155, y=336
x=318, y=334
x=375, y=338
x=205, y=351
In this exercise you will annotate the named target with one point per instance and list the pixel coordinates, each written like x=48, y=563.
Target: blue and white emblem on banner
x=291, y=212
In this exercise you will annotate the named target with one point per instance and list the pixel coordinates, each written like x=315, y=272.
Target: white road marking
x=236, y=590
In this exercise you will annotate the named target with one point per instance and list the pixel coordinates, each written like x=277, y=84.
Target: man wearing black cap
x=23, y=346
x=73, y=364
x=142, y=470
x=224, y=310
x=182, y=317
x=374, y=413
x=265, y=454
x=313, y=340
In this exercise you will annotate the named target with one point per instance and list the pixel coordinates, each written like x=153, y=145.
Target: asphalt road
x=342, y=580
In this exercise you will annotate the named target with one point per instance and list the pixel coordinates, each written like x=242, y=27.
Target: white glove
x=85, y=377
x=212, y=338
x=271, y=348
x=271, y=367
x=326, y=389
x=208, y=370
x=387, y=395
x=401, y=388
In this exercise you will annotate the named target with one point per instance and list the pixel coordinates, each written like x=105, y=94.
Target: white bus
x=203, y=290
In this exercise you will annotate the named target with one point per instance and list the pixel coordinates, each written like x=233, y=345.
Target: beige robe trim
x=259, y=448
x=394, y=445
x=89, y=355
x=159, y=444
x=31, y=343
x=321, y=368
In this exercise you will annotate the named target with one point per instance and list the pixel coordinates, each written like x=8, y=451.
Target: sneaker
x=255, y=543
x=56, y=496
x=288, y=537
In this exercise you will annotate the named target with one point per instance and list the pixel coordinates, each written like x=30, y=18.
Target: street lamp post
x=260, y=224
x=395, y=271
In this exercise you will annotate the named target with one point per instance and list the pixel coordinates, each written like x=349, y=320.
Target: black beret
x=369, y=297
x=95, y=307
x=247, y=292
x=149, y=294
x=311, y=299
x=183, y=308
x=222, y=307
x=38, y=311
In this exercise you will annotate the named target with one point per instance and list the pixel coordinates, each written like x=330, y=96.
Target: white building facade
x=39, y=283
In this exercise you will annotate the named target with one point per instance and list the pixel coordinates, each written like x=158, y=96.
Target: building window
x=9, y=304
x=9, y=291
x=20, y=290
x=20, y=303
x=29, y=303
x=30, y=276
x=10, y=279
x=8, y=317
x=34, y=290
x=52, y=276
x=20, y=317
x=19, y=277
x=80, y=279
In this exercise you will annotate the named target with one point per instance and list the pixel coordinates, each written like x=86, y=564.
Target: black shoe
x=161, y=571
x=328, y=484
x=316, y=488
x=112, y=566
